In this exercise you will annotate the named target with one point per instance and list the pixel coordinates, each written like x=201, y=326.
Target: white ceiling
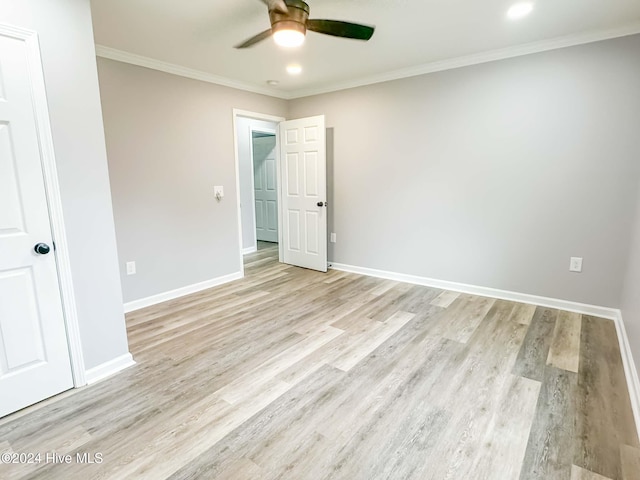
x=412, y=36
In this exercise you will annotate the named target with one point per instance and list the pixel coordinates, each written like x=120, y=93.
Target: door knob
x=322, y=204
x=42, y=248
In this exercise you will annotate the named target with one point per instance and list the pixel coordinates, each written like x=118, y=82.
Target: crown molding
x=431, y=67
x=148, y=62
x=475, y=59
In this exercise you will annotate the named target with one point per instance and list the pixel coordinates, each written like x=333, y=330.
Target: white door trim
x=269, y=118
x=52, y=189
x=253, y=172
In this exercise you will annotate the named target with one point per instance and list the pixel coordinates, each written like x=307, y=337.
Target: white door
x=34, y=356
x=304, y=192
x=266, y=195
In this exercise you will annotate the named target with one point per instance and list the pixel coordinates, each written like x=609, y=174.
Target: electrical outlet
x=333, y=238
x=218, y=192
x=131, y=268
x=575, y=264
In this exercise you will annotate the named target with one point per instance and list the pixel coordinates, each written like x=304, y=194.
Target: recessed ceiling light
x=520, y=10
x=294, y=69
x=273, y=83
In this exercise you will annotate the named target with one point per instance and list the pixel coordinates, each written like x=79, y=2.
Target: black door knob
x=322, y=204
x=42, y=248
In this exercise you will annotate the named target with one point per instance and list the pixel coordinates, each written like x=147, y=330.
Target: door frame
x=52, y=191
x=237, y=113
x=253, y=175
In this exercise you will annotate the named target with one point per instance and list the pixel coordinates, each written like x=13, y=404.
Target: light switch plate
x=575, y=264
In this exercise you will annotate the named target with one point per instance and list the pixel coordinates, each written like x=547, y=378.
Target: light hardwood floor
x=294, y=374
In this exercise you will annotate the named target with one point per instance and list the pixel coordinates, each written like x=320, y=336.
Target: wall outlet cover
x=131, y=268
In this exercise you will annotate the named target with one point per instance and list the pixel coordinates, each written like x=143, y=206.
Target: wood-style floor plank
x=604, y=417
x=369, y=341
x=578, y=473
x=445, y=299
x=564, y=351
x=482, y=372
x=549, y=454
x=523, y=313
x=294, y=374
x=241, y=468
x=251, y=383
x=502, y=448
x=462, y=317
x=5, y=447
x=630, y=462
x=535, y=348
x=280, y=419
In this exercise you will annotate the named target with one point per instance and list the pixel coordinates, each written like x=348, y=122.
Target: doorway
x=265, y=195
x=245, y=125
x=299, y=209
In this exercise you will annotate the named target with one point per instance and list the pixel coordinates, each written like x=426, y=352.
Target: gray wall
x=630, y=304
x=494, y=174
x=246, y=184
x=68, y=56
x=169, y=141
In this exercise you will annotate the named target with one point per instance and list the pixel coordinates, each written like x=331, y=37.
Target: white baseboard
x=179, y=292
x=630, y=371
x=597, y=311
x=247, y=251
x=109, y=368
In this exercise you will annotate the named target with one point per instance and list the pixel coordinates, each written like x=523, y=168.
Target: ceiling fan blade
x=253, y=40
x=277, y=5
x=341, y=29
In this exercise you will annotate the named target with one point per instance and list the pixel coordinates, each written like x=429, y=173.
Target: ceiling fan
x=290, y=22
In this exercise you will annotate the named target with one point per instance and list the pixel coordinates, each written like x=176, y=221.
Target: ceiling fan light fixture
x=290, y=21
x=288, y=38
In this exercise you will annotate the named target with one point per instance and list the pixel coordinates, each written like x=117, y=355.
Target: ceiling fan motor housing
x=295, y=19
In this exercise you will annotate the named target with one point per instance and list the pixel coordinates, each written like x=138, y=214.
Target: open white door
x=304, y=192
x=34, y=352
